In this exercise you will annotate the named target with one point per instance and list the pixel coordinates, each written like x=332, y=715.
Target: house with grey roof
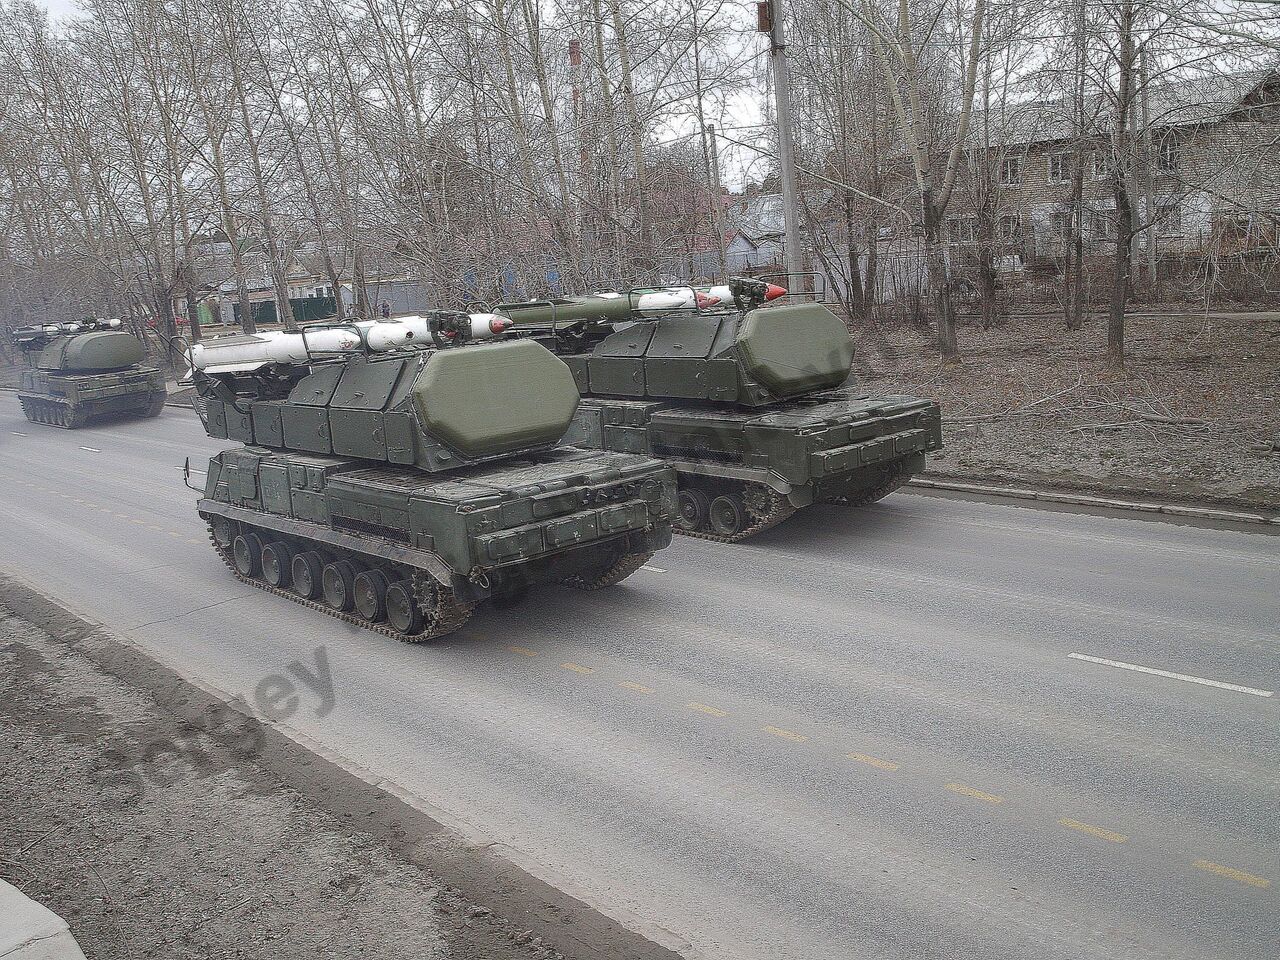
x=1207, y=171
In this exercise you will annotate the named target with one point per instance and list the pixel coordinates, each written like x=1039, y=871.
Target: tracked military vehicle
x=750, y=403
x=78, y=372
x=393, y=477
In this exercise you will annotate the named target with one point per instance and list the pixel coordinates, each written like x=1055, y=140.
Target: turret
x=397, y=391
x=87, y=346
x=739, y=352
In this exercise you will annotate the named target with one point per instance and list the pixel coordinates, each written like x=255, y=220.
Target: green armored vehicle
x=83, y=371
x=393, y=478
x=750, y=403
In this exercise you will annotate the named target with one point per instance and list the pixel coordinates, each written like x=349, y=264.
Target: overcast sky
x=59, y=8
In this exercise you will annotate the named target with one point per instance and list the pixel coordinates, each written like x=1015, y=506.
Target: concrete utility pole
x=770, y=17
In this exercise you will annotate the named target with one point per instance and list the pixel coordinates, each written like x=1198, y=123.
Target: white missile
x=247, y=352
x=720, y=293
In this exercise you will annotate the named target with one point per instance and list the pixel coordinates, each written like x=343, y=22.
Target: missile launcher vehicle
x=395, y=478
x=750, y=403
x=78, y=372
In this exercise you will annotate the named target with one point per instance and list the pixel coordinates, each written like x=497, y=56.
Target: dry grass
x=1192, y=415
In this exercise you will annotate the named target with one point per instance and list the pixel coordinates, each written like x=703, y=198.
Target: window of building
x=1059, y=167
x=962, y=229
x=1011, y=171
x=1060, y=224
x=1102, y=225
x=1168, y=218
x=1101, y=165
x=1167, y=154
x=1010, y=228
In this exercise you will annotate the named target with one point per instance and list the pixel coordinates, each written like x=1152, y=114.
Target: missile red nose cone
x=499, y=324
x=772, y=291
x=706, y=299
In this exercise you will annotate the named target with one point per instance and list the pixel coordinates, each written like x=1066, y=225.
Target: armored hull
x=400, y=491
x=742, y=471
x=411, y=555
x=86, y=371
x=72, y=400
x=751, y=407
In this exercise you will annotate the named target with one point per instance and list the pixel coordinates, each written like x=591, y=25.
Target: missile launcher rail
x=398, y=488
x=750, y=404
x=79, y=372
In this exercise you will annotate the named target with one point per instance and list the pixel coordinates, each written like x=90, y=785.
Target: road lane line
x=786, y=734
x=523, y=651
x=709, y=711
x=1233, y=874
x=873, y=761
x=1099, y=832
x=1172, y=676
x=91, y=449
x=961, y=789
x=577, y=668
x=637, y=687
x=17, y=434
x=652, y=569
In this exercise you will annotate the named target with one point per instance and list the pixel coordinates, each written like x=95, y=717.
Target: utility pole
x=769, y=14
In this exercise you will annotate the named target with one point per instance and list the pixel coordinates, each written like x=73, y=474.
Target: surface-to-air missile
x=397, y=473
x=752, y=404
x=81, y=371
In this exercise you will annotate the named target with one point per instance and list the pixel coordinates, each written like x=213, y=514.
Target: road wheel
x=693, y=507
x=308, y=571
x=246, y=550
x=338, y=582
x=371, y=595
x=277, y=563
x=402, y=608
x=726, y=515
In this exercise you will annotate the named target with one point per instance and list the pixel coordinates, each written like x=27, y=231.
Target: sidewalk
x=30, y=931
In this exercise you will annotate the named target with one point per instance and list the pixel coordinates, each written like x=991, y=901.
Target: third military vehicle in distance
x=82, y=371
x=395, y=478
x=751, y=403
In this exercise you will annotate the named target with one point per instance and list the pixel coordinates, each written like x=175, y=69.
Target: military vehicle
x=83, y=371
x=750, y=403
x=397, y=473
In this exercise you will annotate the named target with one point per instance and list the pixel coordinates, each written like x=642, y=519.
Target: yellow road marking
x=960, y=788
x=873, y=761
x=523, y=651
x=578, y=668
x=1233, y=874
x=787, y=734
x=637, y=687
x=1093, y=831
x=709, y=711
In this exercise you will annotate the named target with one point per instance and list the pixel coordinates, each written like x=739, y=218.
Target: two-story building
x=1204, y=171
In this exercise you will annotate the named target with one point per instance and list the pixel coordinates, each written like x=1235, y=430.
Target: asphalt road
x=863, y=734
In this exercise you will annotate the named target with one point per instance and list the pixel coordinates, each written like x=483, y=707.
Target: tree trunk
x=939, y=278
x=1120, y=274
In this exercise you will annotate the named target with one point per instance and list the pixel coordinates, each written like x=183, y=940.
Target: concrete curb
x=31, y=931
x=1102, y=503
